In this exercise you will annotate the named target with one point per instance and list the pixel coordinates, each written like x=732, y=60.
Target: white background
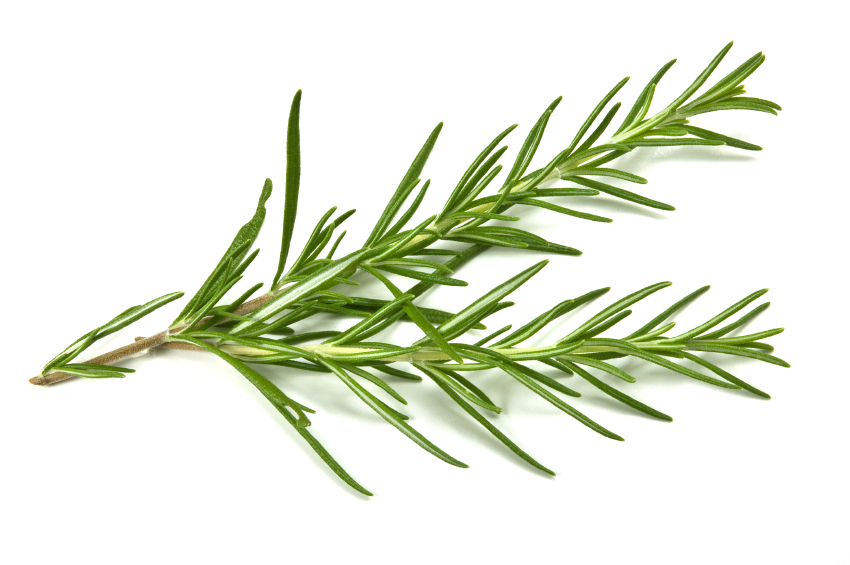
x=134, y=143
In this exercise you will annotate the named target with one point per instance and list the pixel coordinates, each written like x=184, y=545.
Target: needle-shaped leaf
x=741, y=339
x=407, y=184
x=506, y=365
x=620, y=396
x=615, y=308
x=402, y=243
x=402, y=426
x=421, y=276
x=597, y=364
x=667, y=364
x=630, y=117
x=730, y=141
x=262, y=384
x=737, y=323
x=671, y=141
x=117, y=323
x=739, y=351
x=458, y=193
x=323, y=453
x=293, y=182
x=725, y=375
x=535, y=325
x=595, y=113
x=737, y=103
x=491, y=428
x=444, y=378
x=301, y=289
x=237, y=250
x=388, y=309
x=731, y=311
x=700, y=80
x=462, y=321
x=402, y=221
x=731, y=80
x=653, y=323
x=561, y=210
x=396, y=372
x=600, y=129
x=377, y=381
x=418, y=318
x=529, y=147
x=494, y=335
x=607, y=324
x=105, y=373
x=598, y=171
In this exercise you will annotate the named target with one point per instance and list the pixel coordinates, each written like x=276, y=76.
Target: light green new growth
x=263, y=330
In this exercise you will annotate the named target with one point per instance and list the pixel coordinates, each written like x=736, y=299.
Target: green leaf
x=407, y=184
x=671, y=141
x=301, y=289
x=105, y=373
x=508, y=366
x=700, y=80
x=377, y=381
x=737, y=323
x=653, y=323
x=561, y=210
x=620, y=396
x=609, y=323
x=667, y=364
x=462, y=320
x=293, y=181
x=117, y=323
x=418, y=275
x=732, y=310
x=457, y=194
x=245, y=237
x=335, y=245
x=737, y=103
x=529, y=146
x=491, y=428
x=402, y=221
x=322, y=452
x=594, y=114
x=487, y=239
x=547, y=381
x=444, y=378
x=352, y=333
x=493, y=335
x=390, y=417
x=639, y=103
x=585, y=171
x=603, y=125
x=741, y=339
x=402, y=243
x=730, y=141
x=418, y=318
x=739, y=351
x=723, y=374
x=732, y=80
x=597, y=364
x=615, y=308
x=396, y=372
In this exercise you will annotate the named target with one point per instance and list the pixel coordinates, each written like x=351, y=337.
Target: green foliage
x=265, y=330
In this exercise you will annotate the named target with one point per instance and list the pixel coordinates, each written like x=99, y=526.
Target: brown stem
x=141, y=345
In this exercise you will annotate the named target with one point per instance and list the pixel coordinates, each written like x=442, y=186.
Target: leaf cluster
x=265, y=330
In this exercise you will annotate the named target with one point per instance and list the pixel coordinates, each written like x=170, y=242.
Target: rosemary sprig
x=264, y=329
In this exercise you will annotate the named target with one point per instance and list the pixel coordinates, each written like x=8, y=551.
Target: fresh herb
x=264, y=329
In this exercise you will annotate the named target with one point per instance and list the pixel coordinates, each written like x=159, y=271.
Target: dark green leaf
x=293, y=181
